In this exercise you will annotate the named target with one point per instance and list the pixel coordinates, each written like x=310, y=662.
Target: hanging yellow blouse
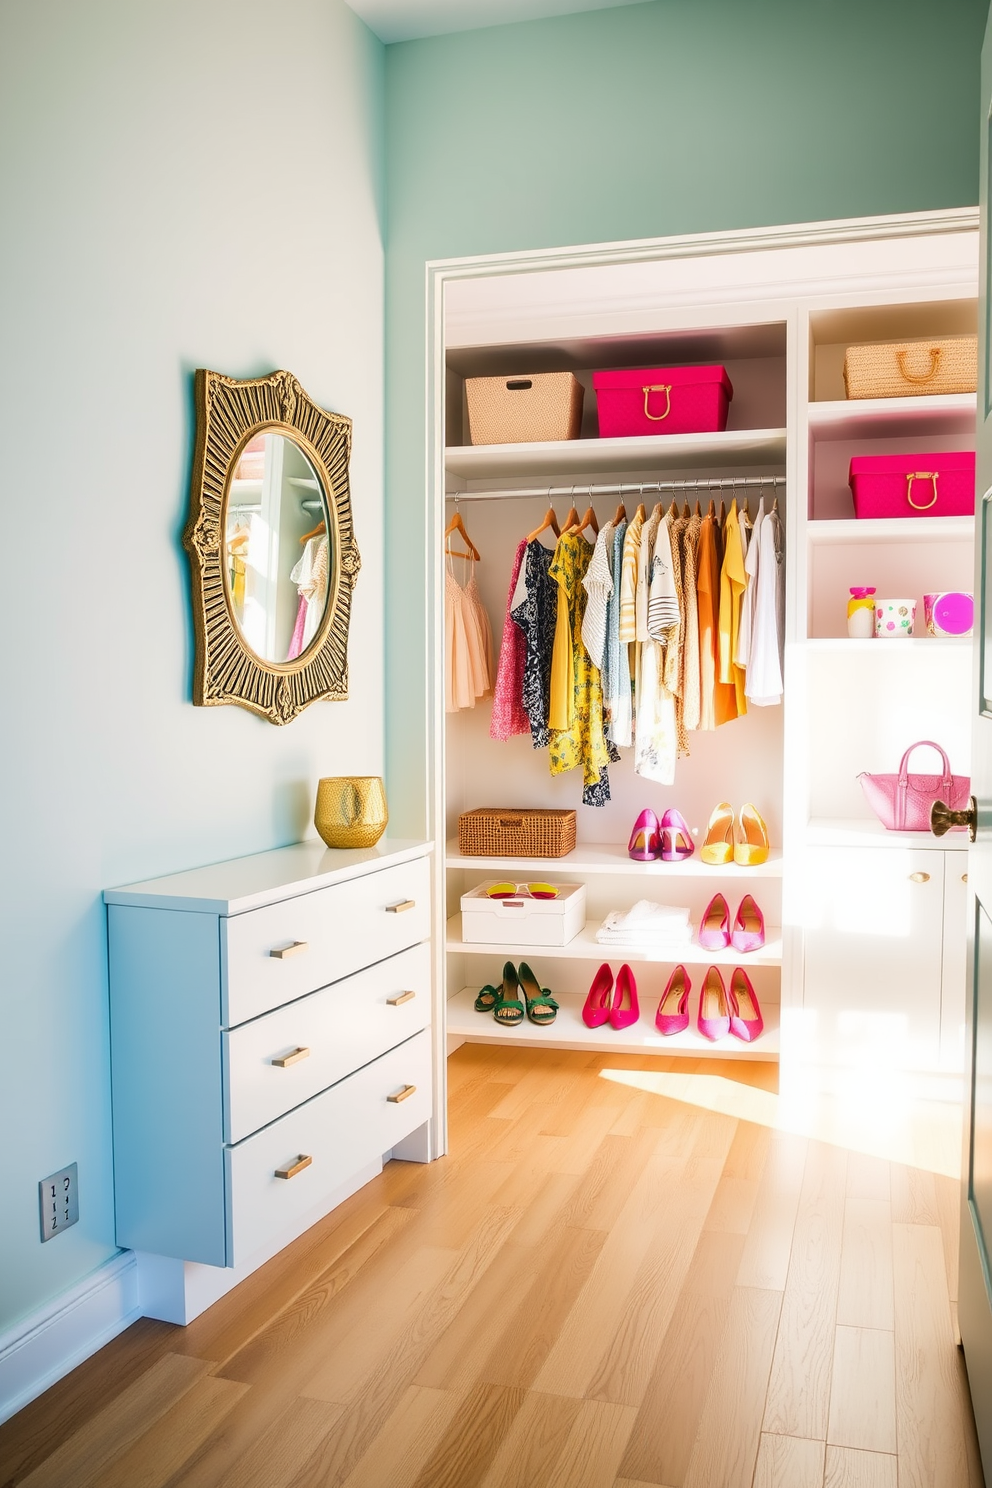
x=733, y=582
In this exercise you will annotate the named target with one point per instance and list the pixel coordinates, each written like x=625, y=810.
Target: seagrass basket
x=503, y=832
x=528, y=409
x=906, y=369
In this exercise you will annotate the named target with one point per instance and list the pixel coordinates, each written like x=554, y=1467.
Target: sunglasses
x=511, y=890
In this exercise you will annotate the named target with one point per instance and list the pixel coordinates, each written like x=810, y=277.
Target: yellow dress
x=582, y=742
x=733, y=582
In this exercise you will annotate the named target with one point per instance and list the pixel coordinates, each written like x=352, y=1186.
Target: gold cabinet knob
x=942, y=818
x=401, y=1095
x=919, y=878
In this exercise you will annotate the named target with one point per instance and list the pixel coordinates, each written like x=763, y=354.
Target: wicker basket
x=906, y=369
x=524, y=410
x=505, y=832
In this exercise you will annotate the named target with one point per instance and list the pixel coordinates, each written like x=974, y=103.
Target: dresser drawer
x=271, y=956
x=339, y=1131
x=342, y=1027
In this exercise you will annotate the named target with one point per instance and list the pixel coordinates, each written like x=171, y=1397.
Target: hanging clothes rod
x=623, y=488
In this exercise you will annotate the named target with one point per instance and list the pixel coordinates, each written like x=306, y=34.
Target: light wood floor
x=603, y=1286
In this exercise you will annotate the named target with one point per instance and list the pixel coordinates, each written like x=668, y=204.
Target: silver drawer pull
x=919, y=878
x=401, y=907
x=303, y=1161
x=295, y=948
x=400, y=998
x=294, y=1058
x=402, y=1095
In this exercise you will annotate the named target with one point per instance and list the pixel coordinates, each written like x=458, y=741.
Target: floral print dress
x=582, y=742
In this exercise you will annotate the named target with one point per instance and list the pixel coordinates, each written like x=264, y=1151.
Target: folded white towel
x=646, y=914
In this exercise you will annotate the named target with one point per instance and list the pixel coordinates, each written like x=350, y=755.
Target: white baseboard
x=39, y=1350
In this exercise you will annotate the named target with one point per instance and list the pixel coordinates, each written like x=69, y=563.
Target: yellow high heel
x=718, y=846
x=751, y=838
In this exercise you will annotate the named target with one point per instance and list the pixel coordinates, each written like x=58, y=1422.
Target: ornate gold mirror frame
x=229, y=414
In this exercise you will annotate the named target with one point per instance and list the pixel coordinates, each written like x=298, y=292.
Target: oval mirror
x=277, y=547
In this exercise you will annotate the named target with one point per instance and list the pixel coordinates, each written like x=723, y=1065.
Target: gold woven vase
x=351, y=810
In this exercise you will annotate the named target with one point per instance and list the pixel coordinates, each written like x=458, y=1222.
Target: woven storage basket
x=502, y=832
x=905, y=369
x=524, y=410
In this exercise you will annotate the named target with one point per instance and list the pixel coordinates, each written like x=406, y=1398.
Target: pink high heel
x=713, y=1018
x=620, y=1016
x=644, y=839
x=748, y=933
x=675, y=996
x=599, y=999
x=746, y=1021
x=714, y=927
x=676, y=839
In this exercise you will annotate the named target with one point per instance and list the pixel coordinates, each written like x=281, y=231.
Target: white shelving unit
x=779, y=316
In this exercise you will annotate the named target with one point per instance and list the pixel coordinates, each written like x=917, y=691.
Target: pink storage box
x=938, y=485
x=662, y=400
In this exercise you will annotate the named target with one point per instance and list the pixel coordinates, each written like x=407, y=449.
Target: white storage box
x=523, y=920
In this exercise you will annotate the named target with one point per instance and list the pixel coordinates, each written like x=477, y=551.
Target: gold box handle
x=401, y=906
x=400, y=998
x=401, y=1095
x=287, y=1059
x=935, y=352
x=925, y=475
x=665, y=388
x=294, y=948
x=303, y=1161
x=919, y=878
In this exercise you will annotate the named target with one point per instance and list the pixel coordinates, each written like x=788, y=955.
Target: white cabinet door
x=873, y=921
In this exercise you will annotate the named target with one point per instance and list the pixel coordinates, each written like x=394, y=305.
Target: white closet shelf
x=569, y=1032
x=880, y=647
x=890, y=530
x=878, y=418
x=587, y=456
x=611, y=857
x=828, y=831
x=586, y=947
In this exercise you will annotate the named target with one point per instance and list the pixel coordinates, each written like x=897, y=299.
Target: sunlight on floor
x=877, y=1116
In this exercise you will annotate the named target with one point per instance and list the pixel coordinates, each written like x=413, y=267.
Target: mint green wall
x=184, y=183
x=676, y=116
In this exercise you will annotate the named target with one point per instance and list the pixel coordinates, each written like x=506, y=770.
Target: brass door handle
x=303, y=1161
x=942, y=818
x=295, y=948
x=401, y=1095
x=400, y=998
x=294, y=1058
x=401, y=906
x=919, y=878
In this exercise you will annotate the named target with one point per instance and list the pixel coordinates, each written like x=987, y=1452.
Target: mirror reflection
x=277, y=544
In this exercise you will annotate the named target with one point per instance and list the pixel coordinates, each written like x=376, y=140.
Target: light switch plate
x=59, y=1200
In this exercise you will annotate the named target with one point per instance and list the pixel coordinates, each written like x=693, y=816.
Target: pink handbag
x=902, y=802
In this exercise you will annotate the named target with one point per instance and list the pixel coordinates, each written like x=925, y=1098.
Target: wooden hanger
x=589, y=520
x=641, y=512
x=457, y=525
x=685, y=510
x=550, y=520
x=620, y=514
x=314, y=532
x=572, y=518
x=711, y=513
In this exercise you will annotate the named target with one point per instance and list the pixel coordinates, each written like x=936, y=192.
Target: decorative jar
x=861, y=613
x=351, y=810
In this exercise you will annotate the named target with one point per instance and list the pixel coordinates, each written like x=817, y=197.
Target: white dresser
x=271, y=1043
